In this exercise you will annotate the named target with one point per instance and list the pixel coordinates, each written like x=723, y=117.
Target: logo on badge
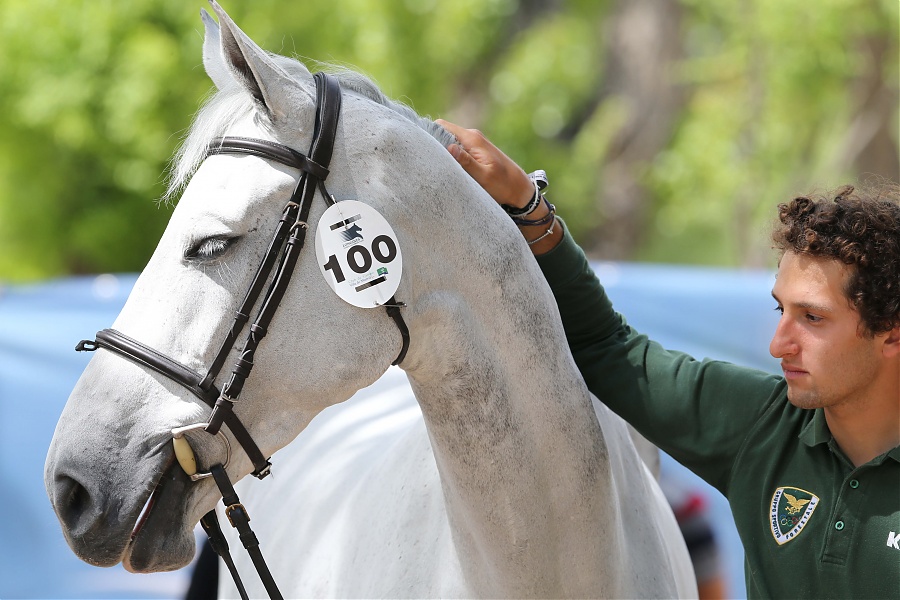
x=790, y=512
x=352, y=233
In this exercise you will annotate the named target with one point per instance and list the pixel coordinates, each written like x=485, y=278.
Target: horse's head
x=112, y=447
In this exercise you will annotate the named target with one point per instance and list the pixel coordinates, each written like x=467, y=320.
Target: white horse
x=508, y=480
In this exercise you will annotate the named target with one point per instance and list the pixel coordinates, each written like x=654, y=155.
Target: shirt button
x=854, y=483
x=839, y=525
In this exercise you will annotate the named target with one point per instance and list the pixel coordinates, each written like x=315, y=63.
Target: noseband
x=280, y=258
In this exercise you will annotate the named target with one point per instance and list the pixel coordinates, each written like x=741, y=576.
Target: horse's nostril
x=85, y=522
x=72, y=500
x=78, y=498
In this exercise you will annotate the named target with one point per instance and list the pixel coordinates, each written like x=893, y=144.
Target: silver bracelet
x=545, y=234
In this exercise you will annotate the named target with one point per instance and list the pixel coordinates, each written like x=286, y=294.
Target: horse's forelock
x=221, y=110
x=225, y=107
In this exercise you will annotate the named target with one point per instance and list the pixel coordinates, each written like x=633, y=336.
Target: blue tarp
x=722, y=314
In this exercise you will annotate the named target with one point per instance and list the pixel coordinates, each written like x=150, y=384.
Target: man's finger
x=451, y=127
x=466, y=161
x=469, y=138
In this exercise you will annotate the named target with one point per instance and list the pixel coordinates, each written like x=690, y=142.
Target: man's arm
x=699, y=412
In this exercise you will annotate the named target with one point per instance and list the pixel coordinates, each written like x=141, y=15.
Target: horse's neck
x=523, y=462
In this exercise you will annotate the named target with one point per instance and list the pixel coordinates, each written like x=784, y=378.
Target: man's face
x=827, y=359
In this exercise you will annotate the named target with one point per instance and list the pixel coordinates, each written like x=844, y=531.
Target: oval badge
x=358, y=253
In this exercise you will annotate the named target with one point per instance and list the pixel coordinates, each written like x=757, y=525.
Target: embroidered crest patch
x=790, y=512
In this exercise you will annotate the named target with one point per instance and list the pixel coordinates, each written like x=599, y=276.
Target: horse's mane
x=225, y=107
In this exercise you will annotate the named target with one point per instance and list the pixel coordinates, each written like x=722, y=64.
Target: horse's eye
x=209, y=248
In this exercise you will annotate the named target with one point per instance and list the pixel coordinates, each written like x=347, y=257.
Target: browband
x=270, y=150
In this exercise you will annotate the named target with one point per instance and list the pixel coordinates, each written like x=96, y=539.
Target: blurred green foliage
x=96, y=94
x=780, y=88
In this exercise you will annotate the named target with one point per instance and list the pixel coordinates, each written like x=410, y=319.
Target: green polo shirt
x=812, y=524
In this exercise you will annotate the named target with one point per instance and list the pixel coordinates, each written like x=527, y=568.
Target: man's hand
x=507, y=184
x=500, y=177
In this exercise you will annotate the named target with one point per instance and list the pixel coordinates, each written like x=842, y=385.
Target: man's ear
x=891, y=347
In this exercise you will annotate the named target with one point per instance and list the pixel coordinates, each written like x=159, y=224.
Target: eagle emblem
x=790, y=511
x=794, y=505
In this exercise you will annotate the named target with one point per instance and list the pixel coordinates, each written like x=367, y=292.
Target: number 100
x=359, y=259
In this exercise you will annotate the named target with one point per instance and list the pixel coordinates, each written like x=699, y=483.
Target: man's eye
x=209, y=248
x=779, y=310
x=813, y=318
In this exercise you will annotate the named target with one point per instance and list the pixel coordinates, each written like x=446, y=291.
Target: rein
x=280, y=259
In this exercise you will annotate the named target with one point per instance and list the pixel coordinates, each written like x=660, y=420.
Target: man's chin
x=803, y=399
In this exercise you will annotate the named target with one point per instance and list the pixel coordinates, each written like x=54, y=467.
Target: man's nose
x=783, y=342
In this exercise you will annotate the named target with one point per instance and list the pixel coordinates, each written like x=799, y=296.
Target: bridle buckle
x=235, y=507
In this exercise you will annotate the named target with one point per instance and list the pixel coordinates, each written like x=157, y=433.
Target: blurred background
x=670, y=130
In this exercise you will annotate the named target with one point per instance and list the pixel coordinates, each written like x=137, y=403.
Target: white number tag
x=358, y=254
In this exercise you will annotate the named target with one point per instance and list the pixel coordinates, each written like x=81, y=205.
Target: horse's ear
x=251, y=67
x=213, y=61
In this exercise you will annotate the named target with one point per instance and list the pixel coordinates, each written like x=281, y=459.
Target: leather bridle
x=280, y=259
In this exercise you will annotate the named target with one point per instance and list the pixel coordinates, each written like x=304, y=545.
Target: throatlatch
x=276, y=268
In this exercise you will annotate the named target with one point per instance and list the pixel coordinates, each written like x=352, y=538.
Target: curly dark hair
x=859, y=227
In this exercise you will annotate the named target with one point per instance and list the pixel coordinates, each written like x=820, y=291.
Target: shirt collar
x=816, y=432
x=895, y=454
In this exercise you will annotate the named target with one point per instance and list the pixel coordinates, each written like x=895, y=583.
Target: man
x=809, y=461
